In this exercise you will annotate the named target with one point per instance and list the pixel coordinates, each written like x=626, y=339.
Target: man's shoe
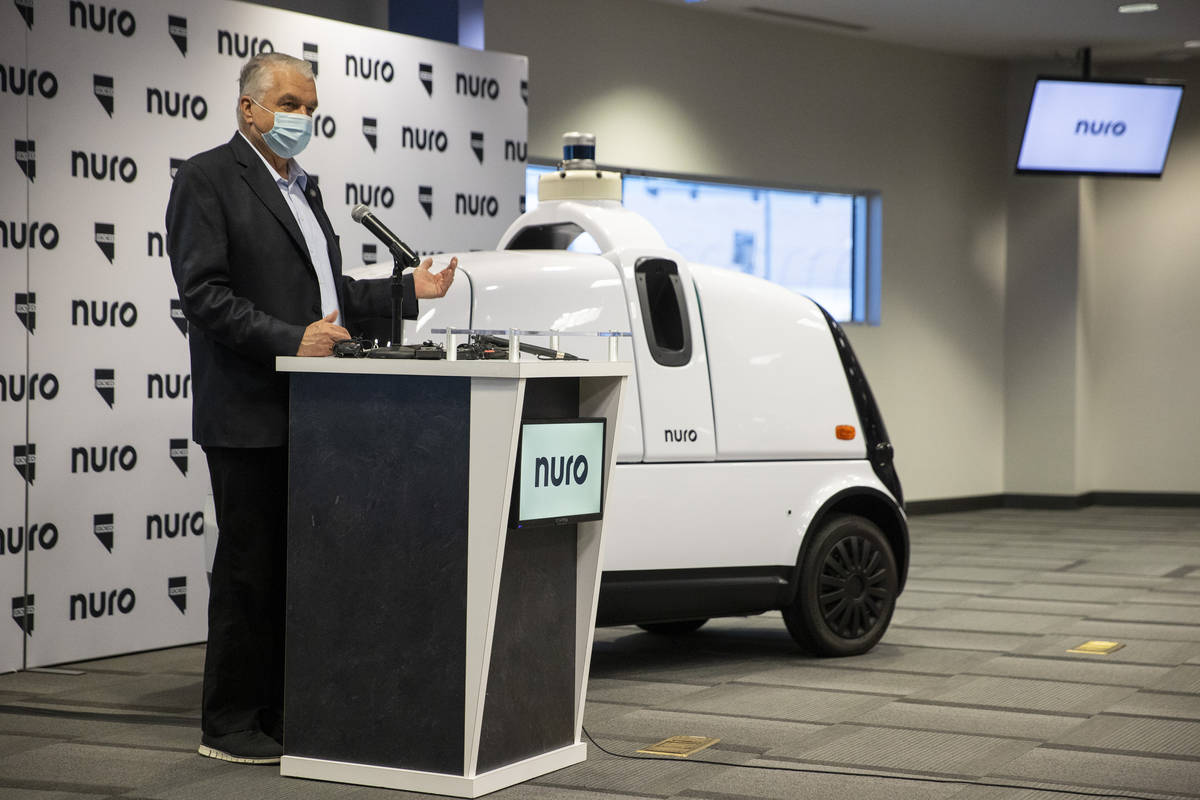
x=242, y=747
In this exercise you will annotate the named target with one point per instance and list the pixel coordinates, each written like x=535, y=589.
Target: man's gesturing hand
x=320, y=337
x=429, y=284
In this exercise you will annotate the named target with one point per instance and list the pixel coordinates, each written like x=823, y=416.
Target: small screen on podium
x=560, y=472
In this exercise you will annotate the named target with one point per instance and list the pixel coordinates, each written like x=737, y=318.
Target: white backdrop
x=430, y=135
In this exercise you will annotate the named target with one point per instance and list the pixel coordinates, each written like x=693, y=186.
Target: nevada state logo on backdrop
x=25, y=152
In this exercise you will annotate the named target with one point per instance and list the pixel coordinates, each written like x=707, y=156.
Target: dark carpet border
x=1054, y=502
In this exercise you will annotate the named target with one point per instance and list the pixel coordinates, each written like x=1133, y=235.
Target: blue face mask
x=290, y=133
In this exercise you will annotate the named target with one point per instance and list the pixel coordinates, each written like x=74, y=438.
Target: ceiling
x=1003, y=29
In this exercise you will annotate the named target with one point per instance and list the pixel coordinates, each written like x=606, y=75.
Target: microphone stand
x=397, y=349
x=397, y=301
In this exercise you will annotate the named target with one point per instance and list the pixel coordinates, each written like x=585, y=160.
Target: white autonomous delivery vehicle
x=754, y=470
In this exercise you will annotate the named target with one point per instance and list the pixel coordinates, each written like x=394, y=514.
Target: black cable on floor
x=913, y=778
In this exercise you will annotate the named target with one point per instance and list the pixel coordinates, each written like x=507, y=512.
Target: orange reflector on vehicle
x=845, y=432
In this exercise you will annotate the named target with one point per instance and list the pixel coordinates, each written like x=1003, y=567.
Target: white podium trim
x=432, y=782
x=530, y=368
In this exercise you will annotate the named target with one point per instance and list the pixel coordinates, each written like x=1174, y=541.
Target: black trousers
x=243, y=665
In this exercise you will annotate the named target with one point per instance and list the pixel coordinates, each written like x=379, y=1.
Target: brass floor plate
x=1097, y=648
x=681, y=746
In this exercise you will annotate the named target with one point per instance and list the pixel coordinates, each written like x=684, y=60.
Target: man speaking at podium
x=259, y=273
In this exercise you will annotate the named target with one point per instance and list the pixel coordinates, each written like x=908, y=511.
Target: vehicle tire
x=678, y=628
x=847, y=591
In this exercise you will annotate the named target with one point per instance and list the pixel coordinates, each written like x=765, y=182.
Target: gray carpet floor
x=971, y=695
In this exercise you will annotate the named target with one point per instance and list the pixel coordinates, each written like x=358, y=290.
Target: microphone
x=400, y=251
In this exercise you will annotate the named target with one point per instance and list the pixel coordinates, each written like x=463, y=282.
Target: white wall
x=1140, y=315
x=1103, y=284
x=1045, y=234
x=681, y=90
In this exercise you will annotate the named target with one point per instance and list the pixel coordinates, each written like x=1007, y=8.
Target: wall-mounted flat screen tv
x=1099, y=127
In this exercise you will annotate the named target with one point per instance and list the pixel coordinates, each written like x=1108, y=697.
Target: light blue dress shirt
x=292, y=188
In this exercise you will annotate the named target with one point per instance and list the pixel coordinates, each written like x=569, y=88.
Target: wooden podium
x=429, y=647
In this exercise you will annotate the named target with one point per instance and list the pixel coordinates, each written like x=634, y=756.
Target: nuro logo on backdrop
x=37, y=386
x=174, y=526
x=242, y=45
x=309, y=53
x=101, y=19
x=23, y=81
x=18, y=235
x=103, y=313
x=42, y=536
x=476, y=86
x=168, y=385
x=369, y=69
x=477, y=144
x=85, y=459
x=476, y=205
x=369, y=194
x=103, y=167
x=324, y=127
x=174, y=104
x=102, y=603
x=515, y=150
x=423, y=139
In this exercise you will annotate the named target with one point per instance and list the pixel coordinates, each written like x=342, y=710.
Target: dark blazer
x=248, y=289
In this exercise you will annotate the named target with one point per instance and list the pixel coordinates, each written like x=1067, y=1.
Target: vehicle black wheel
x=673, y=628
x=847, y=589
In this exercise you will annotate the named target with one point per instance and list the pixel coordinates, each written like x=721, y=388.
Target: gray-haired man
x=260, y=275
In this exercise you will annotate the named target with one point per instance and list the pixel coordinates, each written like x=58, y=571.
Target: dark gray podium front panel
x=530, y=702
x=377, y=557
x=530, y=705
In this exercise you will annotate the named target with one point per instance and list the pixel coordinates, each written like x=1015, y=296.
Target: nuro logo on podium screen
x=561, y=469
